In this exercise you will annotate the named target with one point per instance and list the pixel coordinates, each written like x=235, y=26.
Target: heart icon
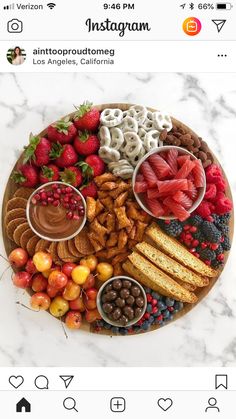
x=16, y=382
x=165, y=404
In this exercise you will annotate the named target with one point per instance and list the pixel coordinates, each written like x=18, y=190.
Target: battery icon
x=224, y=6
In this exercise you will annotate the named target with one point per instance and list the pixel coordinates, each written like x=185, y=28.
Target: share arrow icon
x=67, y=379
x=219, y=23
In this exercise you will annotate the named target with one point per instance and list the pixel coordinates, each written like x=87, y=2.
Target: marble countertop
x=205, y=336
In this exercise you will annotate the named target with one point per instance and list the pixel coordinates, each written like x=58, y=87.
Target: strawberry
x=26, y=175
x=86, y=143
x=87, y=117
x=89, y=190
x=49, y=173
x=72, y=175
x=64, y=156
x=38, y=151
x=96, y=163
x=62, y=131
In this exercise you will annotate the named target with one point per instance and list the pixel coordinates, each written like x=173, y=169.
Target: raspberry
x=223, y=205
x=205, y=209
x=210, y=191
x=213, y=173
x=221, y=185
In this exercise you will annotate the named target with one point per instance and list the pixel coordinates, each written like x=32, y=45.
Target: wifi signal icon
x=51, y=5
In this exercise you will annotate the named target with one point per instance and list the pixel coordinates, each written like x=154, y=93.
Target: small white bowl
x=43, y=187
x=104, y=315
x=181, y=151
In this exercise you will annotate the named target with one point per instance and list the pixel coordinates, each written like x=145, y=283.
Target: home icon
x=23, y=406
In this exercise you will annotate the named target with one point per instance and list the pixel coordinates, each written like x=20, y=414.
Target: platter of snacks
x=117, y=219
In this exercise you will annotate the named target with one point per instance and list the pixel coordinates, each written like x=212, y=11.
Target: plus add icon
x=117, y=404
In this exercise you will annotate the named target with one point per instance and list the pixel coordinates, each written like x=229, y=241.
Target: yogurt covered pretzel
x=129, y=124
x=108, y=154
x=127, y=136
x=148, y=124
x=162, y=121
x=151, y=140
x=105, y=136
x=122, y=168
x=138, y=112
x=111, y=117
x=117, y=138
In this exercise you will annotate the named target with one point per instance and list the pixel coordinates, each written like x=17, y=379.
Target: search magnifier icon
x=70, y=404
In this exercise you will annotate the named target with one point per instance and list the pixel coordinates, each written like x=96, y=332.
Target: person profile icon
x=16, y=55
x=212, y=405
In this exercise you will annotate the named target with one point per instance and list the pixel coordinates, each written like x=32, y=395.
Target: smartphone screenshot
x=117, y=177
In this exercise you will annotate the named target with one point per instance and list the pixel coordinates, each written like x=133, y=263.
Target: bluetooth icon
x=191, y=6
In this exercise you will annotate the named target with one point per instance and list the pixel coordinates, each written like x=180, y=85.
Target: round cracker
x=71, y=260
x=83, y=244
x=19, y=231
x=73, y=250
x=16, y=203
x=23, y=192
x=30, y=247
x=25, y=238
x=12, y=225
x=42, y=245
x=63, y=251
x=53, y=252
x=15, y=213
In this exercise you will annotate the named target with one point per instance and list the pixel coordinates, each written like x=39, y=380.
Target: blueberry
x=123, y=331
x=178, y=305
x=148, y=290
x=151, y=319
x=156, y=295
x=166, y=314
x=100, y=323
x=169, y=302
x=145, y=325
x=115, y=329
x=161, y=306
x=136, y=329
x=149, y=308
x=107, y=326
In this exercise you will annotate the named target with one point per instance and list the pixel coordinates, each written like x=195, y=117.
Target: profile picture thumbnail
x=16, y=55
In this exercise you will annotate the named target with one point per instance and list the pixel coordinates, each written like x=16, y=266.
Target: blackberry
x=224, y=219
x=196, y=220
x=216, y=263
x=173, y=228
x=216, y=218
x=199, y=236
x=207, y=254
x=226, y=243
x=224, y=229
x=219, y=250
x=210, y=231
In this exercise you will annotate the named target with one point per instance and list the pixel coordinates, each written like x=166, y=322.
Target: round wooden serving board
x=201, y=292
